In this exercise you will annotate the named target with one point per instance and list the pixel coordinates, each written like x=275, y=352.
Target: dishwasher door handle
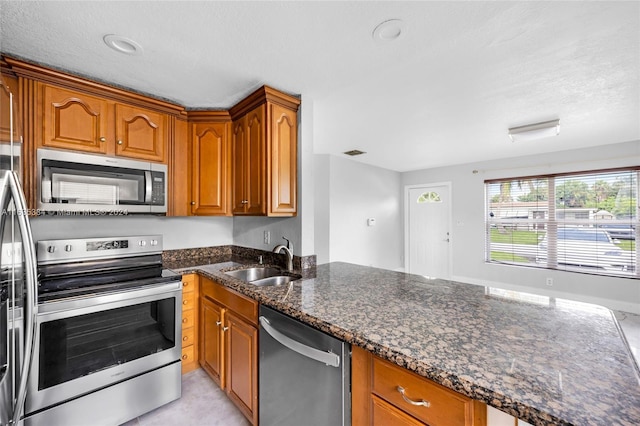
x=328, y=358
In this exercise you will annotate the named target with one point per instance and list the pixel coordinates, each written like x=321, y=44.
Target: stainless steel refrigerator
x=18, y=286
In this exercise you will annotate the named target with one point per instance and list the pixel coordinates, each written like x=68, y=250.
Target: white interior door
x=428, y=230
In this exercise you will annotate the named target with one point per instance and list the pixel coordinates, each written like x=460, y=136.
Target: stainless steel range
x=107, y=346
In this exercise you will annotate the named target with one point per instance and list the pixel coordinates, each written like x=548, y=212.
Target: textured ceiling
x=444, y=93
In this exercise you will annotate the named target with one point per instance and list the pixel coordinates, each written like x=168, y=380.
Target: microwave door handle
x=30, y=307
x=148, y=187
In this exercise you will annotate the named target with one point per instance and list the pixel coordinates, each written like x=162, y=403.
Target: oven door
x=87, y=343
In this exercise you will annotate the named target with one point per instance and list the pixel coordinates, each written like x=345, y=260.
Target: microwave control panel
x=157, y=191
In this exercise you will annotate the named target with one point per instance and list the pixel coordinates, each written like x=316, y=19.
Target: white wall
x=322, y=202
x=355, y=193
x=178, y=232
x=468, y=225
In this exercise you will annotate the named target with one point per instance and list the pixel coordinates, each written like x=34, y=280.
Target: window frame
x=551, y=223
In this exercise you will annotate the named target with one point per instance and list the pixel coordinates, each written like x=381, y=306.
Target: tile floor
x=204, y=404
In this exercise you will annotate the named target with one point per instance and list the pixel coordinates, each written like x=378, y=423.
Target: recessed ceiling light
x=123, y=44
x=388, y=30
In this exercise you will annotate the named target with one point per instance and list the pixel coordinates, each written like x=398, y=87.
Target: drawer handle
x=184, y=284
x=411, y=401
x=184, y=302
x=185, y=338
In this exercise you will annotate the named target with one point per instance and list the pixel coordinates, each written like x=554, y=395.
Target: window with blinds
x=581, y=222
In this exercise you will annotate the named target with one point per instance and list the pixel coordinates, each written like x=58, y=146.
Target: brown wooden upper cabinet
x=78, y=121
x=211, y=167
x=264, y=142
x=9, y=111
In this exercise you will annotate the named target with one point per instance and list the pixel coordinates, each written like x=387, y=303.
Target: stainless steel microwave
x=85, y=184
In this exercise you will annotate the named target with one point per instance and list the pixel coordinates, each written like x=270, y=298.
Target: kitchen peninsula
x=543, y=360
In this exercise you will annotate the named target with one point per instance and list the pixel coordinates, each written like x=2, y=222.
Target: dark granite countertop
x=543, y=360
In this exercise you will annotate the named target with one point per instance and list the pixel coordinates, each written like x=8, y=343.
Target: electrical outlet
x=550, y=282
x=267, y=237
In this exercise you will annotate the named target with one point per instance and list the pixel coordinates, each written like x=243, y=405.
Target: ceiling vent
x=354, y=152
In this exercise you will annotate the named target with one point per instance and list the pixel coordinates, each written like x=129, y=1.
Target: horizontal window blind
x=582, y=222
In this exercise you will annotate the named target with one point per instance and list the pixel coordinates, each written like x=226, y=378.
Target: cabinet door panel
x=255, y=163
x=141, y=133
x=239, y=161
x=76, y=121
x=9, y=87
x=211, y=340
x=386, y=414
x=242, y=356
x=211, y=169
x=283, y=161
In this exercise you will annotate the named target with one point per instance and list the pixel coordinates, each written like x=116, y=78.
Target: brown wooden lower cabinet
x=383, y=393
x=189, y=323
x=229, y=344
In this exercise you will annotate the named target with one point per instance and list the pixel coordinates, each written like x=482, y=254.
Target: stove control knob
x=68, y=247
x=51, y=249
x=154, y=242
x=142, y=243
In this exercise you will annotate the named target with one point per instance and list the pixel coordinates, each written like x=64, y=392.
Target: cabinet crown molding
x=262, y=95
x=70, y=81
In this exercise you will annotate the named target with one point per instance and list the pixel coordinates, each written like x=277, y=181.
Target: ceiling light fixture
x=123, y=44
x=535, y=131
x=388, y=30
x=354, y=152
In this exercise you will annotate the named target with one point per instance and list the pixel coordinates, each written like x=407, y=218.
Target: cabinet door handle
x=184, y=320
x=411, y=401
x=103, y=139
x=244, y=202
x=184, y=357
x=193, y=203
x=120, y=142
x=185, y=338
x=218, y=323
x=185, y=283
x=184, y=302
x=225, y=328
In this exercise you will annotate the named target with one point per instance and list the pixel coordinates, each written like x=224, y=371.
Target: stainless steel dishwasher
x=305, y=374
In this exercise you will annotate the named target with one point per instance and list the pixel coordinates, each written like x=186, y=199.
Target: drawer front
x=188, y=283
x=188, y=358
x=188, y=319
x=188, y=336
x=188, y=300
x=445, y=406
x=241, y=305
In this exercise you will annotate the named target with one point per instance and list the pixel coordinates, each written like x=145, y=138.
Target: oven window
x=74, y=347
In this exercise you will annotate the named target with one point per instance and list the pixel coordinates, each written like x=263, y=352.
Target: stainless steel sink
x=262, y=276
x=275, y=280
x=253, y=274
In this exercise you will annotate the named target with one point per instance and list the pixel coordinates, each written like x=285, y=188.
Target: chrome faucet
x=287, y=252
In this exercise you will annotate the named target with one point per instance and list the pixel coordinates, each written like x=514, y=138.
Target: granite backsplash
x=182, y=258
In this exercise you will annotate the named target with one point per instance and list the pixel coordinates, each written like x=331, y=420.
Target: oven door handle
x=30, y=307
x=327, y=358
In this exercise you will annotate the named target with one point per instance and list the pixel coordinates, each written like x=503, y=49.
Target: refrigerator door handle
x=328, y=358
x=31, y=302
